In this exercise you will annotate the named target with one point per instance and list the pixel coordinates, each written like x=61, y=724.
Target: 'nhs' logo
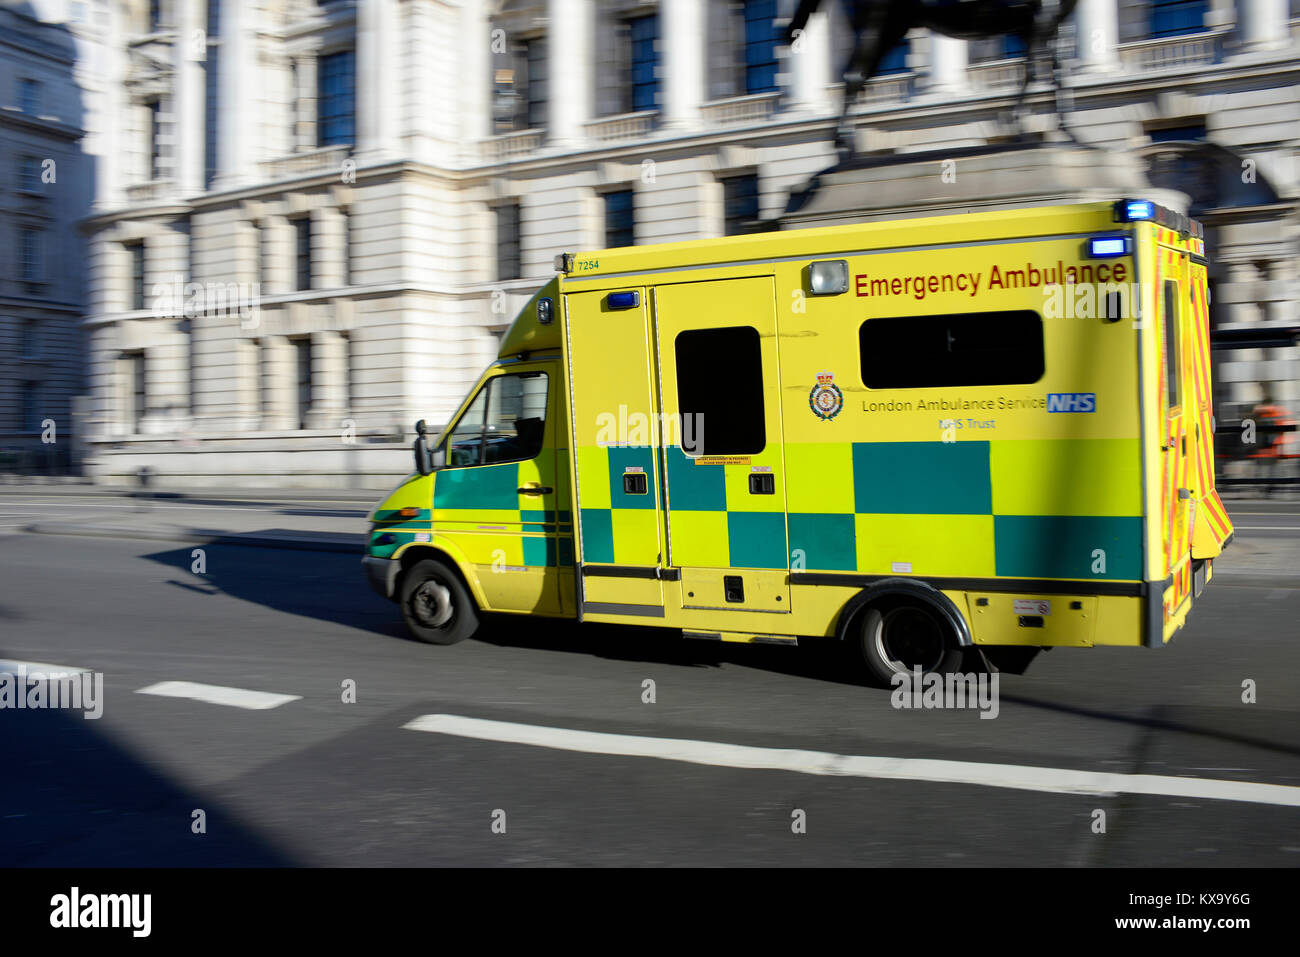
x=1072, y=402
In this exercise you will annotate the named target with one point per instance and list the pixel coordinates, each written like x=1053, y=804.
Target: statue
x=880, y=25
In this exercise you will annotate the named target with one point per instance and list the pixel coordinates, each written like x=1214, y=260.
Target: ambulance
x=937, y=440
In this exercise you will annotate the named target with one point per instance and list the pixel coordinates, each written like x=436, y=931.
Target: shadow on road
x=71, y=797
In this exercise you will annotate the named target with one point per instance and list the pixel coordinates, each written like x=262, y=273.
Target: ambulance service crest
x=826, y=399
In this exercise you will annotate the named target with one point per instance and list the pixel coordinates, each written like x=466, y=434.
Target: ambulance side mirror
x=426, y=462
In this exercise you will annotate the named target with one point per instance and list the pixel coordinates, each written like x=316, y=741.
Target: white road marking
x=216, y=694
x=8, y=667
x=1015, y=776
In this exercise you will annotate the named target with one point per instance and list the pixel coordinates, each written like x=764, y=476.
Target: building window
x=137, y=274
x=154, y=107
x=1171, y=18
x=30, y=344
x=726, y=395
x=336, y=99
x=211, y=103
x=31, y=411
x=528, y=88
x=345, y=237
x=302, y=357
x=644, y=85
x=135, y=369
x=302, y=252
x=29, y=95
x=30, y=267
x=895, y=60
x=966, y=349
x=760, y=46
x=29, y=173
x=740, y=203
x=264, y=256
x=1177, y=134
x=508, y=244
x=620, y=218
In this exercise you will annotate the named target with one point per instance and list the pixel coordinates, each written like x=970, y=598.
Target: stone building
x=312, y=220
x=45, y=190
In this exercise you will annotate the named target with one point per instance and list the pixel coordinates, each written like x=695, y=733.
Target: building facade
x=45, y=192
x=312, y=221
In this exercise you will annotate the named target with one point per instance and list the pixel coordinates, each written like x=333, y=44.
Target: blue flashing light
x=624, y=300
x=1107, y=247
x=1133, y=210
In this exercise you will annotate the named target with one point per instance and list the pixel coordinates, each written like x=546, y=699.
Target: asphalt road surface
x=317, y=780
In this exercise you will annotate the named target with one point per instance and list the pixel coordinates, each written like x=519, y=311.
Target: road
x=317, y=780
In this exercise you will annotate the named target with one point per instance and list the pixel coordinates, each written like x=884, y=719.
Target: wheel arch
x=443, y=551
x=912, y=588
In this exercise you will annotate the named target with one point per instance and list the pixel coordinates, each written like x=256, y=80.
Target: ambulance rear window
x=974, y=348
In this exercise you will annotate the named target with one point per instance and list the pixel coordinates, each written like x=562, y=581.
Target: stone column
x=682, y=35
x=809, y=60
x=378, y=94
x=1262, y=24
x=279, y=375
x=329, y=379
x=305, y=102
x=188, y=52
x=948, y=58
x=237, y=84
x=475, y=80
x=327, y=241
x=1098, y=35
x=570, y=95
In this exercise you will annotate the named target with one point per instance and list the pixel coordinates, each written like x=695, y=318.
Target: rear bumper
x=382, y=574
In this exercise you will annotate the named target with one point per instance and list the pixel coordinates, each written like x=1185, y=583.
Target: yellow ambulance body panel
x=1004, y=417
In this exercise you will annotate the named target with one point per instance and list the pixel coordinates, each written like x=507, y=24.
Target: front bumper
x=382, y=574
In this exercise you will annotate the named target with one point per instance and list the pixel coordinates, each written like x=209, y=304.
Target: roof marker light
x=1105, y=247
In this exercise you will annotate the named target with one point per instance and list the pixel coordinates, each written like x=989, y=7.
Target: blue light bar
x=1132, y=210
x=1107, y=247
x=624, y=300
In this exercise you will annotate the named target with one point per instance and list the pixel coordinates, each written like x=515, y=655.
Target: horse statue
x=880, y=25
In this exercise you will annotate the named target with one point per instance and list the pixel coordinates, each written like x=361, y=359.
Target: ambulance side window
x=720, y=391
x=1173, y=381
x=505, y=422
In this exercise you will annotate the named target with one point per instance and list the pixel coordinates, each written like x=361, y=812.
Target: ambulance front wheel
x=901, y=638
x=437, y=607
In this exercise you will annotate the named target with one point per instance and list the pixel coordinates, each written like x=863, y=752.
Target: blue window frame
x=1012, y=46
x=337, y=81
x=1171, y=18
x=760, y=46
x=645, y=62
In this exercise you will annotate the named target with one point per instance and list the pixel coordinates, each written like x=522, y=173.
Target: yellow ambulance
x=930, y=439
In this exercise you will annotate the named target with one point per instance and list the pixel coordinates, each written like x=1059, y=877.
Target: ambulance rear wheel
x=897, y=639
x=436, y=606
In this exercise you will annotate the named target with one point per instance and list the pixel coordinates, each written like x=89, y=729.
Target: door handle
x=535, y=490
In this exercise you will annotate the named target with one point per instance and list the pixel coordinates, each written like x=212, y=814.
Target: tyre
x=896, y=639
x=436, y=606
